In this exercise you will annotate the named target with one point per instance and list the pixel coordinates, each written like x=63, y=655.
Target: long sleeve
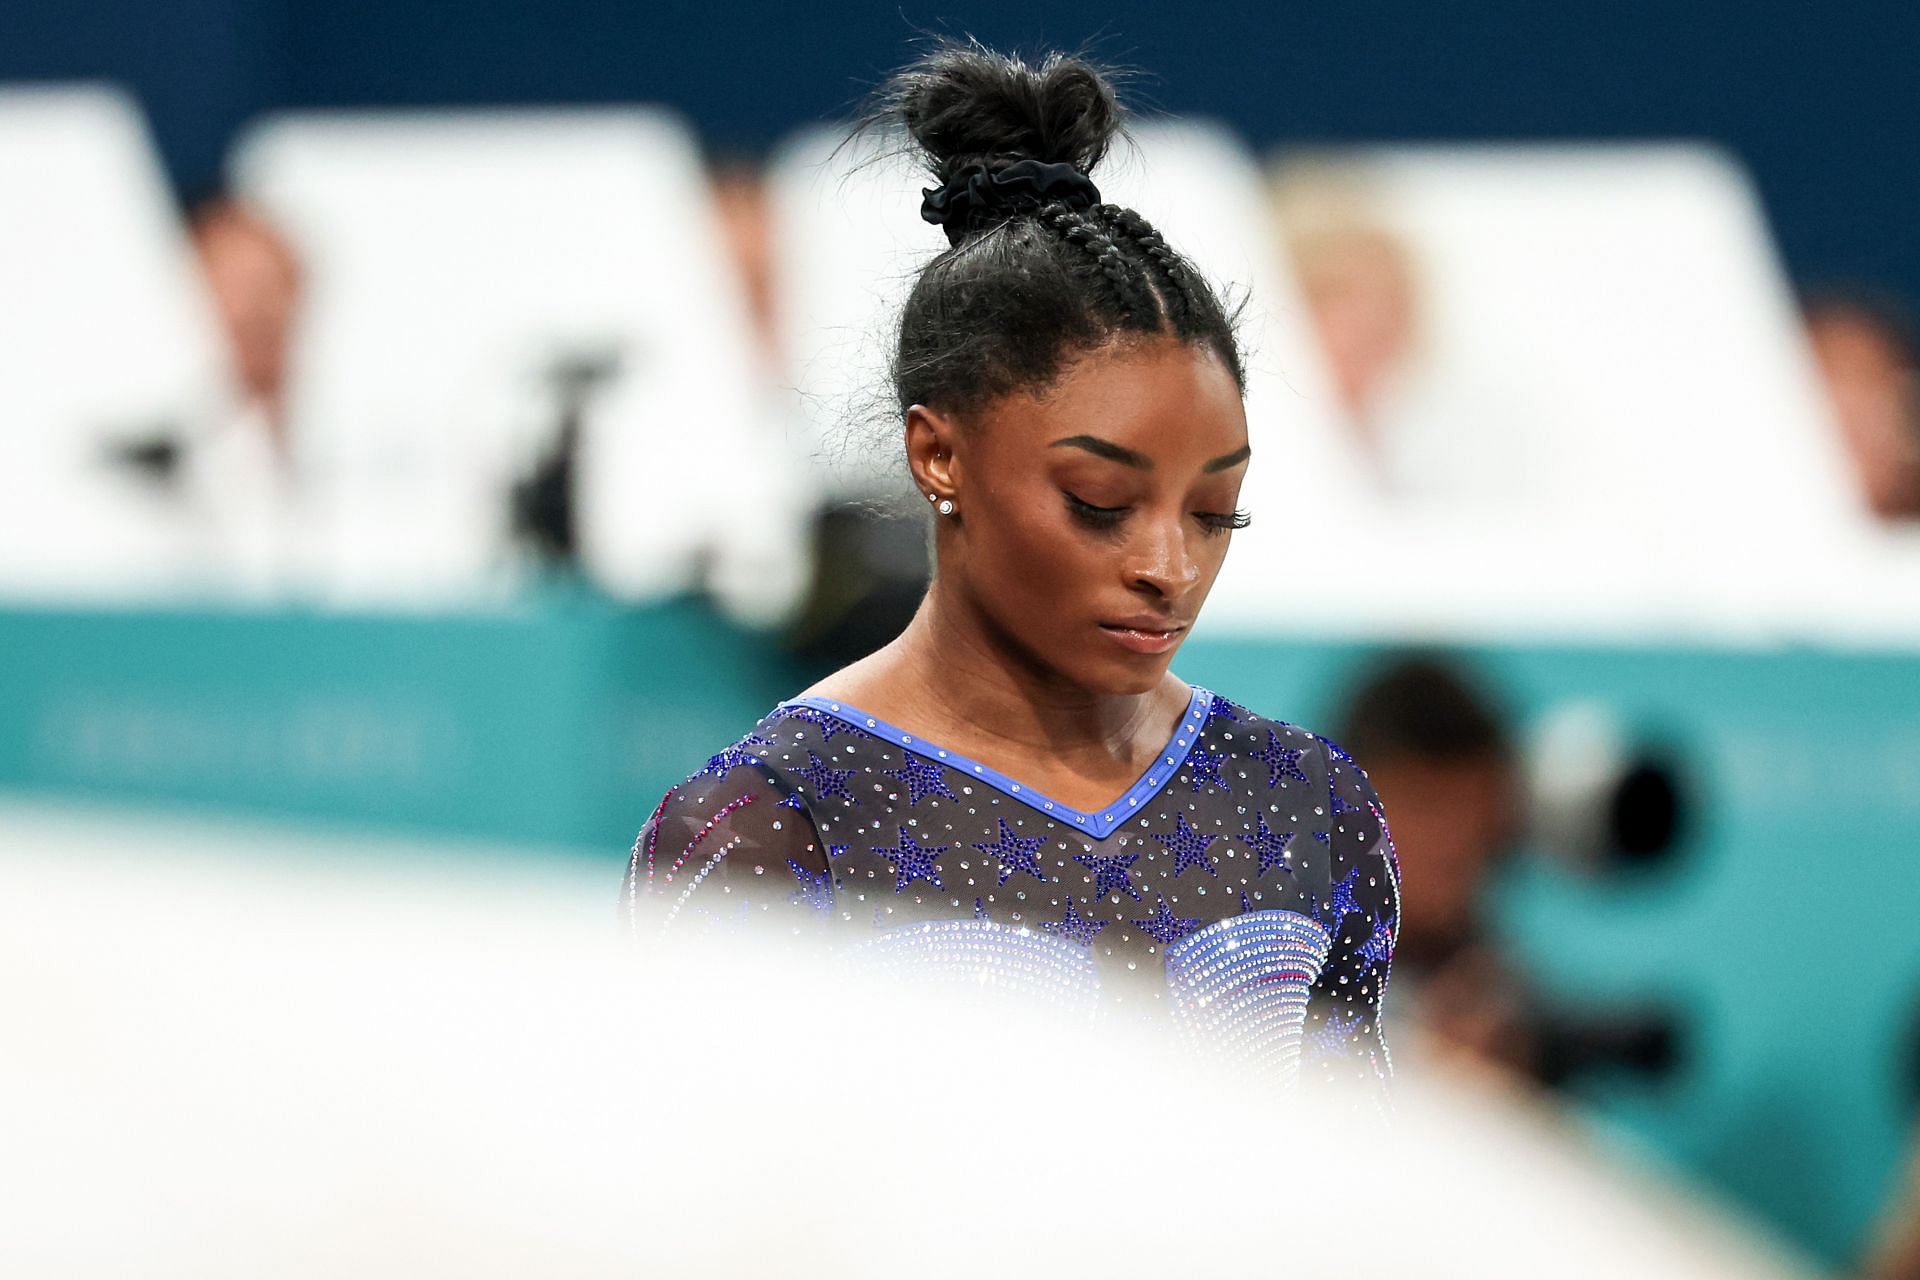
x=733, y=842
x=1344, y=1033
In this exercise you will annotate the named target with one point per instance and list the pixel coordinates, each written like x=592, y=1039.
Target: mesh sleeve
x=727, y=846
x=1344, y=1034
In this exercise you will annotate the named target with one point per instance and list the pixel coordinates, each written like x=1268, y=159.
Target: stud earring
x=946, y=506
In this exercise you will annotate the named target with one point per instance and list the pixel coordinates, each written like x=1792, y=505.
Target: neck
x=960, y=669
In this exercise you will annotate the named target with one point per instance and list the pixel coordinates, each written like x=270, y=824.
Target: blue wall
x=1816, y=100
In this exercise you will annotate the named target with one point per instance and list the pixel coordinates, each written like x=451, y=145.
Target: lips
x=1146, y=634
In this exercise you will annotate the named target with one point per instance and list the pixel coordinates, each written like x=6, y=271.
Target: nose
x=1159, y=562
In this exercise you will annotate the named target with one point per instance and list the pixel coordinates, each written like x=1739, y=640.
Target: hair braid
x=1084, y=233
x=1177, y=289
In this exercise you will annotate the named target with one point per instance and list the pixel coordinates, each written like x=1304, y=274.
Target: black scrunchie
x=975, y=197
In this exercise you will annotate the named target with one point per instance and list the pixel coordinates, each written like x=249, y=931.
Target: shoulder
x=1234, y=730
x=746, y=802
x=1293, y=755
x=1349, y=819
x=752, y=769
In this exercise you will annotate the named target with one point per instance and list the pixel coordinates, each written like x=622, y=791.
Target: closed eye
x=1220, y=522
x=1096, y=517
x=1109, y=517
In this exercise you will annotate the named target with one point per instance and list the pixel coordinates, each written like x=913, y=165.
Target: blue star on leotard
x=1378, y=946
x=1203, y=768
x=1281, y=762
x=1270, y=846
x=1342, y=904
x=825, y=779
x=922, y=778
x=1166, y=928
x=1110, y=873
x=828, y=725
x=731, y=758
x=1189, y=847
x=816, y=888
x=1015, y=854
x=1221, y=709
x=912, y=862
x=1075, y=926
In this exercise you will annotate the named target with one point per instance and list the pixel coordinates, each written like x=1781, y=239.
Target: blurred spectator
x=1438, y=750
x=1431, y=442
x=241, y=469
x=254, y=278
x=740, y=197
x=1866, y=350
x=870, y=562
x=1441, y=759
x=1359, y=285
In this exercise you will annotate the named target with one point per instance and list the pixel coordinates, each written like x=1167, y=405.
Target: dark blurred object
x=541, y=503
x=1910, y=1061
x=1456, y=789
x=1600, y=799
x=1646, y=1042
x=1864, y=342
x=871, y=568
x=155, y=456
x=1644, y=815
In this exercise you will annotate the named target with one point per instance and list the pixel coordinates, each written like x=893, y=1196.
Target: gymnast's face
x=1093, y=517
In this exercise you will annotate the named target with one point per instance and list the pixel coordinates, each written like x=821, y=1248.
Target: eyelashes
x=1231, y=520
x=1091, y=516
x=1105, y=518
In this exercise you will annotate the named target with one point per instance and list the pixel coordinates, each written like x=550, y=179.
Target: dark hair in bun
x=962, y=103
x=1038, y=271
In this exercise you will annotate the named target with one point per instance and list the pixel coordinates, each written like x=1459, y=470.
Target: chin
x=1128, y=678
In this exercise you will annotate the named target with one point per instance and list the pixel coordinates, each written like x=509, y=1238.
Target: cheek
x=1209, y=551
x=1030, y=551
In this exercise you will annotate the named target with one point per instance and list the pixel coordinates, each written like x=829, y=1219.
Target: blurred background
x=444, y=429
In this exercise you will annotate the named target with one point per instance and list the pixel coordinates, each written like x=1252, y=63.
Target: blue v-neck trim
x=1098, y=824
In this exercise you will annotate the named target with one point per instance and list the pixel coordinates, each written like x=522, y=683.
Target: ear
x=931, y=438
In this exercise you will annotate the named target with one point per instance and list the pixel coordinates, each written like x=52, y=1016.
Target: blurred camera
x=1598, y=798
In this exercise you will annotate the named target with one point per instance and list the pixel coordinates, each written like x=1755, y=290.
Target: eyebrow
x=1127, y=457
x=1233, y=459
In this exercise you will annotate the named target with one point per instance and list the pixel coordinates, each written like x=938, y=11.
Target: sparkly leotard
x=1249, y=873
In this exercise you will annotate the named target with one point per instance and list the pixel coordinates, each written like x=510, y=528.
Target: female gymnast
x=1019, y=785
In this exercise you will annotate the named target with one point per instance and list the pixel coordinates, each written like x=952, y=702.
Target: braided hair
x=1036, y=282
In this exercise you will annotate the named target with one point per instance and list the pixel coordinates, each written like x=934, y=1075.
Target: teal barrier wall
x=558, y=725
x=1786, y=927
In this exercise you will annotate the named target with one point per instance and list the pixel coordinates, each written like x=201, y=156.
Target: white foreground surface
x=236, y=1052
